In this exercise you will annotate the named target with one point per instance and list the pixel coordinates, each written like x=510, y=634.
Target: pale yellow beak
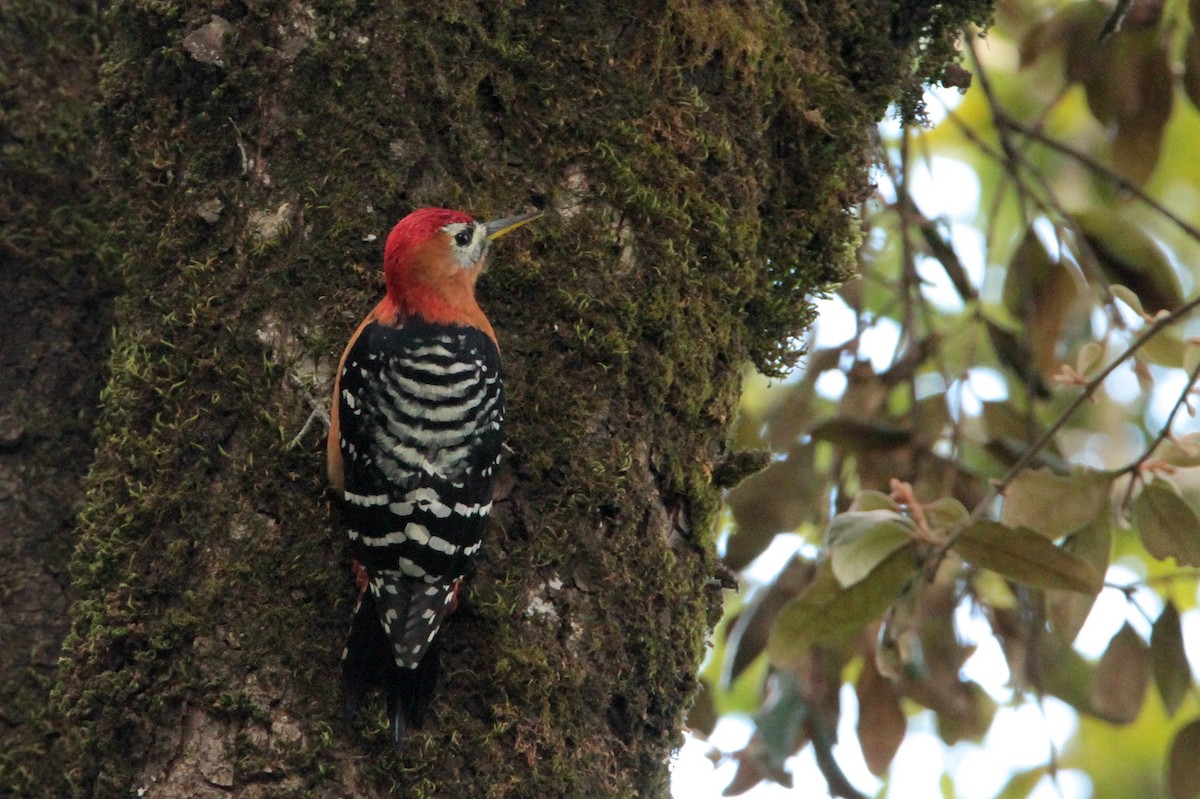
x=498, y=227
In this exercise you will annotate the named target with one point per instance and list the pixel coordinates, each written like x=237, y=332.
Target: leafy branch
x=1005, y=121
x=886, y=475
x=998, y=487
x=1134, y=470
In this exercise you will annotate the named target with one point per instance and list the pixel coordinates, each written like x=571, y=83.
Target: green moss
x=721, y=146
x=56, y=289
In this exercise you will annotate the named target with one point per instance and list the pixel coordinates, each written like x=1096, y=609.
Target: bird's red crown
x=414, y=230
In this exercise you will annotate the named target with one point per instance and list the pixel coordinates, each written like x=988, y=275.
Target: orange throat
x=448, y=303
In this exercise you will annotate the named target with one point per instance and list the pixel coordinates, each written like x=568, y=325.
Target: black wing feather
x=421, y=410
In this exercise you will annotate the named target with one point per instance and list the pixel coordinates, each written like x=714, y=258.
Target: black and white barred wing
x=421, y=410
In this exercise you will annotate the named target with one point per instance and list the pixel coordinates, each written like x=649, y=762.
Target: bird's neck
x=448, y=303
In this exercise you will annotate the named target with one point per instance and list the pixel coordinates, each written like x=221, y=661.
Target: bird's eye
x=463, y=237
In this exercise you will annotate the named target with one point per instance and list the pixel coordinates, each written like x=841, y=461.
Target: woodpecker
x=414, y=441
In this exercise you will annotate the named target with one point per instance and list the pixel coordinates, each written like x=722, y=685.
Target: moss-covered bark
x=700, y=157
x=54, y=327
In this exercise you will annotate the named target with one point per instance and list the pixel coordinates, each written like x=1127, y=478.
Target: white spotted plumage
x=422, y=410
x=413, y=447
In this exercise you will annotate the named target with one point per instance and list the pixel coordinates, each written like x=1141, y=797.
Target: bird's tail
x=392, y=645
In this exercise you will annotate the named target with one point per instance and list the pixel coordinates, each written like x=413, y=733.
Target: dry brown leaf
x=1183, y=765
x=1172, y=674
x=881, y=721
x=1121, y=677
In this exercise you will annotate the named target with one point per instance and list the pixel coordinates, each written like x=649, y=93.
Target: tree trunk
x=55, y=319
x=698, y=159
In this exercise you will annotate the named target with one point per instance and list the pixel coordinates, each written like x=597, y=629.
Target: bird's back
x=420, y=416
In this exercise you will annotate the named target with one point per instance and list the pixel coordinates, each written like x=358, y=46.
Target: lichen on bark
x=699, y=159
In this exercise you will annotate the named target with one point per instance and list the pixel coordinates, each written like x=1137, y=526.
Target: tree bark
x=699, y=159
x=55, y=320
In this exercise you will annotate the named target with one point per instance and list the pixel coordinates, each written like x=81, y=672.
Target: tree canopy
x=986, y=465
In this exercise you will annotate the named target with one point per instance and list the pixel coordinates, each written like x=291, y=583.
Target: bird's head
x=440, y=252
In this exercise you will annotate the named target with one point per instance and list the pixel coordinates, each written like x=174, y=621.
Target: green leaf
x=973, y=717
x=940, y=248
x=1039, y=291
x=1090, y=356
x=1008, y=451
x=1191, y=356
x=1164, y=348
x=1056, y=505
x=702, y=715
x=1128, y=86
x=1191, y=69
x=1145, y=93
x=944, y=513
x=1013, y=351
x=1136, y=147
x=777, y=499
x=1183, y=767
x=930, y=417
x=1057, y=669
x=1083, y=23
x=1007, y=425
x=1168, y=524
x=1002, y=421
x=1028, y=270
x=992, y=590
x=781, y=723
x=857, y=436
x=1183, y=451
x=1126, y=295
x=828, y=613
x=968, y=716
x=861, y=540
x=1172, y=674
x=1023, y=555
x=1130, y=257
x=1061, y=32
x=748, y=634
x=873, y=500
x=1021, y=784
x=1068, y=610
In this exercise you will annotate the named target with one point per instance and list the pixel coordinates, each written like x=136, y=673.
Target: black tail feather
x=397, y=724
x=417, y=685
x=367, y=656
x=369, y=662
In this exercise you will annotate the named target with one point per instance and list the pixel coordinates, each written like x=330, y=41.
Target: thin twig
x=1014, y=159
x=835, y=778
x=1115, y=20
x=1000, y=486
x=1006, y=121
x=1179, y=574
x=1134, y=470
